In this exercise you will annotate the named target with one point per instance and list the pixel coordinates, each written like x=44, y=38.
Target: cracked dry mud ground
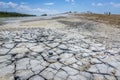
x=47, y=54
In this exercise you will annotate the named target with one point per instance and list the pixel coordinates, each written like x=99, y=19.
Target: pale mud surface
x=59, y=49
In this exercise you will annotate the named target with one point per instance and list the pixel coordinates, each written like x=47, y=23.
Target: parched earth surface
x=59, y=49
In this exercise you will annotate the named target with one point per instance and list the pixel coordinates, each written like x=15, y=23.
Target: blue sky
x=39, y=7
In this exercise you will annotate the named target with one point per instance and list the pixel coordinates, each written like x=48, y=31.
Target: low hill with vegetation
x=13, y=14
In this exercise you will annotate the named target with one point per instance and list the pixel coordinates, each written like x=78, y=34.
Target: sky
x=39, y=7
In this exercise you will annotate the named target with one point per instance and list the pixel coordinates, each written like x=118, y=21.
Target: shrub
x=44, y=15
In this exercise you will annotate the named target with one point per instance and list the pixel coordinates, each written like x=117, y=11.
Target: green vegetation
x=13, y=14
x=44, y=15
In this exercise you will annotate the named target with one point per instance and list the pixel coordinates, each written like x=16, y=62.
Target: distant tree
x=13, y=14
x=70, y=11
x=107, y=13
x=75, y=11
x=44, y=15
x=89, y=12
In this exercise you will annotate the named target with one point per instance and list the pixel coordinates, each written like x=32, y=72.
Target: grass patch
x=113, y=19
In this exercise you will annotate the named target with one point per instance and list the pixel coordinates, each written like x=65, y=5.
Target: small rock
x=36, y=78
x=17, y=78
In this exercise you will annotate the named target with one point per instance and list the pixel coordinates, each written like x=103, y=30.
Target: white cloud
x=115, y=4
x=23, y=3
x=97, y=4
x=41, y=10
x=24, y=8
x=9, y=4
x=46, y=10
x=69, y=0
x=49, y=4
